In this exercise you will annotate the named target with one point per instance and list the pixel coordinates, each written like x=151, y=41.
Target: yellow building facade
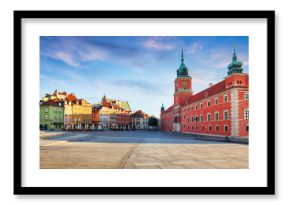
x=77, y=112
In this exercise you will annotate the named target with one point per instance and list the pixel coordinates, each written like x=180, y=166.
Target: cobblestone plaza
x=137, y=150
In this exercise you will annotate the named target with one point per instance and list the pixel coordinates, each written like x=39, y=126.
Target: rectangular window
x=216, y=101
x=216, y=116
x=46, y=109
x=46, y=117
x=201, y=118
x=225, y=98
x=196, y=107
x=192, y=119
x=188, y=119
x=217, y=128
x=247, y=128
x=246, y=96
x=246, y=114
x=208, y=117
x=202, y=128
x=200, y=105
x=226, y=115
x=192, y=127
x=209, y=128
x=226, y=128
x=196, y=127
x=208, y=103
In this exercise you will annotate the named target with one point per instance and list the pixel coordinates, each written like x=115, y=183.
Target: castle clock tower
x=183, y=91
x=182, y=84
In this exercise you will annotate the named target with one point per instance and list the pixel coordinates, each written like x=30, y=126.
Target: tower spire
x=182, y=59
x=162, y=107
x=234, y=58
x=234, y=48
x=182, y=71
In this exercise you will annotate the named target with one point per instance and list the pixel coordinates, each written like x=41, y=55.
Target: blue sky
x=138, y=69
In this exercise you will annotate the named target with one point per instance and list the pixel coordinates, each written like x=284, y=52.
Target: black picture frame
x=268, y=190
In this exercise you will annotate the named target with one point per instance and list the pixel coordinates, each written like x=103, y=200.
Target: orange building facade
x=221, y=109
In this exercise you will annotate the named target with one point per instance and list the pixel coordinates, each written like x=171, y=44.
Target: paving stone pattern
x=138, y=150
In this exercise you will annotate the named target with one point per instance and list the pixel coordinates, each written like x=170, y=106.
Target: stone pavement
x=139, y=150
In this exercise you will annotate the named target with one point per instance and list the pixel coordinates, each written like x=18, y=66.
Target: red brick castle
x=221, y=110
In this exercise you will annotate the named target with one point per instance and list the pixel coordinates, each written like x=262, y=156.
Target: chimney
x=210, y=84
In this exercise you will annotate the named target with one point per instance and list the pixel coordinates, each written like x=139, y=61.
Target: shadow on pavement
x=150, y=137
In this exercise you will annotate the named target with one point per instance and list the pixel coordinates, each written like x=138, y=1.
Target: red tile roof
x=71, y=97
x=139, y=114
x=54, y=102
x=213, y=90
x=169, y=109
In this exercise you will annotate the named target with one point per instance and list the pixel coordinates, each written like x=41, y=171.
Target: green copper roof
x=183, y=70
x=125, y=105
x=235, y=66
x=162, y=107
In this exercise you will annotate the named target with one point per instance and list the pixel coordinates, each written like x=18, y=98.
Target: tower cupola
x=183, y=70
x=162, y=108
x=235, y=66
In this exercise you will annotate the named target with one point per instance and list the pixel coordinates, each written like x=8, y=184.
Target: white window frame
x=246, y=98
x=226, y=111
x=218, y=115
x=209, y=114
x=226, y=97
x=216, y=101
x=217, y=126
x=226, y=126
x=246, y=117
x=201, y=118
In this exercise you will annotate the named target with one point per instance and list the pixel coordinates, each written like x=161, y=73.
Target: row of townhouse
x=62, y=110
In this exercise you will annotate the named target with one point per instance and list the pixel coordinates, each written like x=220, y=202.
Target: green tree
x=153, y=121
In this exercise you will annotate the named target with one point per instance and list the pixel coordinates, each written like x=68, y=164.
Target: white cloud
x=194, y=47
x=90, y=54
x=67, y=58
x=53, y=81
x=159, y=43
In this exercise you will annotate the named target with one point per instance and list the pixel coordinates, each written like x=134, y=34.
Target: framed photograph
x=144, y=102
